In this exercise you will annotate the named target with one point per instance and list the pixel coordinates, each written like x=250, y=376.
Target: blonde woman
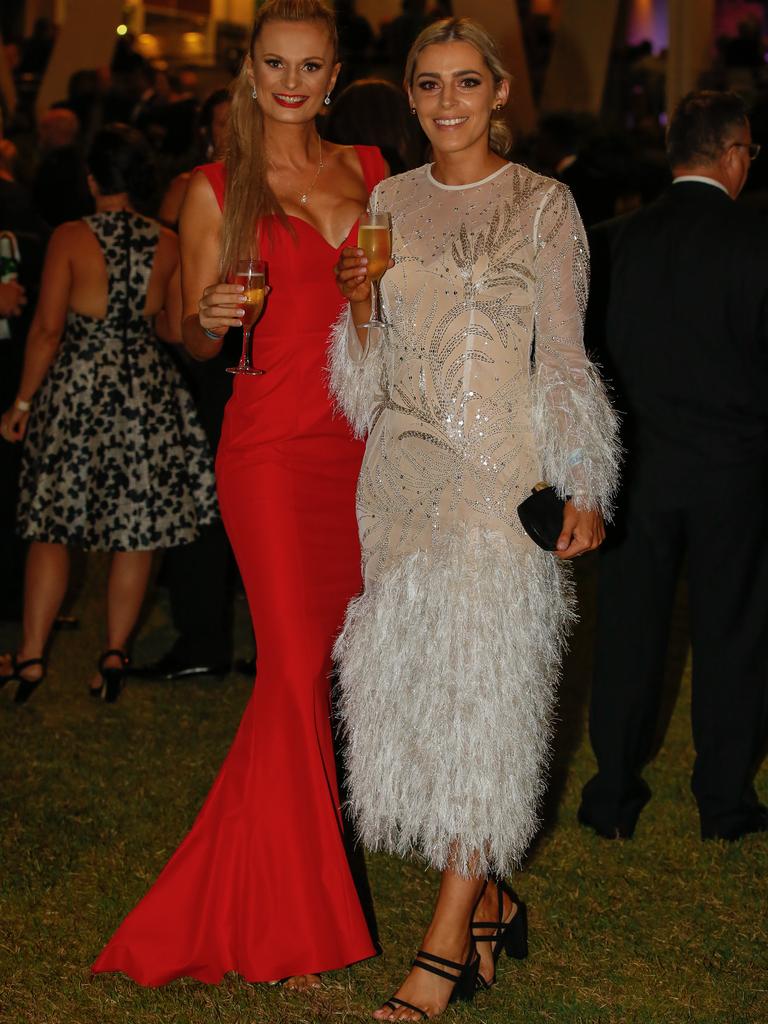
x=449, y=659
x=261, y=885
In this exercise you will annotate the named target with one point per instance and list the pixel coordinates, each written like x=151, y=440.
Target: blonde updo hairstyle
x=465, y=30
x=248, y=197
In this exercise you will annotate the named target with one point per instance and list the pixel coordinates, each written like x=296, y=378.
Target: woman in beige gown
x=478, y=389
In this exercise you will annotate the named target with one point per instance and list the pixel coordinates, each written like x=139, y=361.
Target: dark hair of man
x=702, y=125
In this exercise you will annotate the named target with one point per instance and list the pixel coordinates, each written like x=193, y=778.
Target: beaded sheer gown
x=479, y=388
x=262, y=885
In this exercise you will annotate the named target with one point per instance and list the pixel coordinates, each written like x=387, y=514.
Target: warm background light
x=148, y=46
x=192, y=44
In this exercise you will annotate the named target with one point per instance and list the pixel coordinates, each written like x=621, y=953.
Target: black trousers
x=12, y=548
x=200, y=576
x=717, y=521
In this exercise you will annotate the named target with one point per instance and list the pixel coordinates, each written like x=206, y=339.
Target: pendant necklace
x=304, y=196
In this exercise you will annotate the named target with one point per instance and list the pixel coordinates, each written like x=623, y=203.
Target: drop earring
x=327, y=100
x=413, y=111
x=254, y=94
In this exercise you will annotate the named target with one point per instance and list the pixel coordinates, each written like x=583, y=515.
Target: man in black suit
x=684, y=327
x=24, y=230
x=201, y=575
x=561, y=150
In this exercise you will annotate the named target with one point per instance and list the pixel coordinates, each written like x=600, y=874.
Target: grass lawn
x=95, y=798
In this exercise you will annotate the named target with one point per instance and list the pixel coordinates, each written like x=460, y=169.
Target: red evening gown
x=261, y=885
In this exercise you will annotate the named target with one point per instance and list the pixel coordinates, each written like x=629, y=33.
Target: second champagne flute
x=251, y=274
x=374, y=237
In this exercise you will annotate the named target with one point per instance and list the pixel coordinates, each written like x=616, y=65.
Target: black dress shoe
x=755, y=821
x=170, y=667
x=614, y=832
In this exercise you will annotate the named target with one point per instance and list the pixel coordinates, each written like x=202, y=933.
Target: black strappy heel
x=464, y=982
x=509, y=936
x=26, y=687
x=112, y=679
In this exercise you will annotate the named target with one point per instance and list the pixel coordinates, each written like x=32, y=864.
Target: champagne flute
x=251, y=274
x=374, y=237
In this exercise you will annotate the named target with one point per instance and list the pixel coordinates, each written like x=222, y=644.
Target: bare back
x=88, y=282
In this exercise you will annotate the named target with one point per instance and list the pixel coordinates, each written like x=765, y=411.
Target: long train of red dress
x=261, y=885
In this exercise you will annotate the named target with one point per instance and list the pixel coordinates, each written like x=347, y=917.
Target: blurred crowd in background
x=613, y=164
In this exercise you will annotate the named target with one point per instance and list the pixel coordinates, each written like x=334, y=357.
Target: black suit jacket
x=679, y=317
x=18, y=214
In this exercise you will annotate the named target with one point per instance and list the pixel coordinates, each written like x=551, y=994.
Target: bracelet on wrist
x=21, y=405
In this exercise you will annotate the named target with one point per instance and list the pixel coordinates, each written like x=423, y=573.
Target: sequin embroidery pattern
x=479, y=388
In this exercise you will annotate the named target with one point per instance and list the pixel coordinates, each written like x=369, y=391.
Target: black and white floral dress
x=115, y=458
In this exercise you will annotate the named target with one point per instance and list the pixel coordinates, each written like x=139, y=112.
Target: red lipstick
x=293, y=104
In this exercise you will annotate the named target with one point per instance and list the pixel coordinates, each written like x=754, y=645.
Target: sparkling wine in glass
x=374, y=237
x=251, y=274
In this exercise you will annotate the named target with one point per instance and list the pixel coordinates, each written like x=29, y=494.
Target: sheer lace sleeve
x=575, y=425
x=354, y=373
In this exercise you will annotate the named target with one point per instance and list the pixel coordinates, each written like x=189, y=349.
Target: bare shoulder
x=70, y=239
x=71, y=231
x=334, y=152
x=200, y=191
x=200, y=209
x=342, y=158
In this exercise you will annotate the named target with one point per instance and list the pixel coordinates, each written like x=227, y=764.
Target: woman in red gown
x=262, y=885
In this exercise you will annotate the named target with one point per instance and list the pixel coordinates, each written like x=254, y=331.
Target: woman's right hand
x=351, y=275
x=13, y=424
x=12, y=298
x=221, y=308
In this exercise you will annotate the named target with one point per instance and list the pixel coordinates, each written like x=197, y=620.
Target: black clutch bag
x=542, y=516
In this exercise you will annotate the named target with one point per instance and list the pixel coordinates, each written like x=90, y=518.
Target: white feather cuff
x=577, y=435
x=354, y=384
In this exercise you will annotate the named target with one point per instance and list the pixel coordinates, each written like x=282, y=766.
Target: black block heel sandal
x=26, y=687
x=510, y=936
x=112, y=679
x=465, y=981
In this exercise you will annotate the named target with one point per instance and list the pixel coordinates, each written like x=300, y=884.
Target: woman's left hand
x=13, y=424
x=583, y=530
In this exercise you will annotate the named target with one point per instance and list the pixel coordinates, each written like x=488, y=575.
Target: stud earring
x=254, y=94
x=327, y=100
x=413, y=110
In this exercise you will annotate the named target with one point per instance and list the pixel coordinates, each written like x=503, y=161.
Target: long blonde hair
x=248, y=197
x=465, y=30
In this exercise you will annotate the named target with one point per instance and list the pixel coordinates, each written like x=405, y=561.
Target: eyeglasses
x=752, y=147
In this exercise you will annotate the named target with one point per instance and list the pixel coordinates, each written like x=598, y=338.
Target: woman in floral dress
x=114, y=456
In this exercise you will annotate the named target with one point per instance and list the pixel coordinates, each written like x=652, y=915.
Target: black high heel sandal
x=26, y=687
x=510, y=936
x=465, y=983
x=112, y=679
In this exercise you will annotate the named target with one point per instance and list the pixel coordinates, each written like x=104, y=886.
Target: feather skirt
x=448, y=666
